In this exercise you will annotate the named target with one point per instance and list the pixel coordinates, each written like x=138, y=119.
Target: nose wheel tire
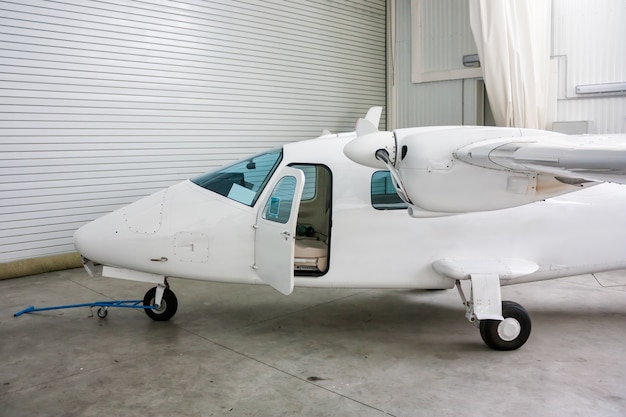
x=510, y=333
x=167, y=309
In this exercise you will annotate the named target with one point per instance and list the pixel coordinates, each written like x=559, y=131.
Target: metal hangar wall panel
x=104, y=102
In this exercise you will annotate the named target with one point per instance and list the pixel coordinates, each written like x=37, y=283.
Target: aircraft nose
x=362, y=150
x=115, y=235
x=97, y=240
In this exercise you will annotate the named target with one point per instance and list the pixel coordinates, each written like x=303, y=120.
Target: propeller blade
x=373, y=116
x=365, y=127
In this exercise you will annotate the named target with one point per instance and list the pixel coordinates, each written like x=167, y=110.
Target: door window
x=278, y=206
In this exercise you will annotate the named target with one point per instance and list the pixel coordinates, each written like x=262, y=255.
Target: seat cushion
x=310, y=248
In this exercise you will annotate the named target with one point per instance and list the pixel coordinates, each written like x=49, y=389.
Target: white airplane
x=486, y=205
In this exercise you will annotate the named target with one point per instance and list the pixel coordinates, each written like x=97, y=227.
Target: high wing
x=446, y=170
x=577, y=158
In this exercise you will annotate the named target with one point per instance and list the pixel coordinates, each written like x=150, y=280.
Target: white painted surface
x=372, y=248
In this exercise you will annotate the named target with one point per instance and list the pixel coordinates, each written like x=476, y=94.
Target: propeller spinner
x=376, y=150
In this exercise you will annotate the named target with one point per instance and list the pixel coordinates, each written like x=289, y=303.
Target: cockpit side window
x=242, y=181
x=383, y=193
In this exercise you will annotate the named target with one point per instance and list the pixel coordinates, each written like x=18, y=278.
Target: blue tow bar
x=104, y=305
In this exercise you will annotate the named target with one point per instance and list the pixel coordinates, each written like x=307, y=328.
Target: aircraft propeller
x=376, y=149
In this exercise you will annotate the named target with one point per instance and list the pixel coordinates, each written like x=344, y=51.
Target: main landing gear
x=506, y=331
x=510, y=333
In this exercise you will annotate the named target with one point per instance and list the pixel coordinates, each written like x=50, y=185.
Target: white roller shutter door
x=106, y=101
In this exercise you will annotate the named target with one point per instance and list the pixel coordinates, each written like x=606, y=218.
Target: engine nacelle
x=437, y=180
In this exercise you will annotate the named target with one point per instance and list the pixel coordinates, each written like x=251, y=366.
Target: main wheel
x=510, y=333
x=167, y=309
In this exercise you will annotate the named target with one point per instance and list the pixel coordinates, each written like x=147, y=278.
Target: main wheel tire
x=510, y=333
x=167, y=309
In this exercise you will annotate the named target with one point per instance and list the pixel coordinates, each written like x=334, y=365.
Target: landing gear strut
x=509, y=332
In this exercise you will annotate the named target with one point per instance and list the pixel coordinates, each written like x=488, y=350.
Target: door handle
x=286, y=235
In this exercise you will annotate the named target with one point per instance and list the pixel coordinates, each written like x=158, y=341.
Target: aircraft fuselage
x=187, y=231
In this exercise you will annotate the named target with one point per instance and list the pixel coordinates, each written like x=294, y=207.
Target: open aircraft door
x=276, y=231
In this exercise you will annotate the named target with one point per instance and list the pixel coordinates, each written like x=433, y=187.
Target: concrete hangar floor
x=249, y=351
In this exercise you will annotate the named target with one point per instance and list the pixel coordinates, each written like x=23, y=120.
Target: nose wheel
x=165, y=310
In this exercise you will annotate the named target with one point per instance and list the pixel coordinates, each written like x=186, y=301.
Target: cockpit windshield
x=244, y=180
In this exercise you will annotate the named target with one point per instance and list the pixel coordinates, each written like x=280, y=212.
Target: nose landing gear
x=165, y=309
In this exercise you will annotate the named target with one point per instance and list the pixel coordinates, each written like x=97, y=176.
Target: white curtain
x=513, y=42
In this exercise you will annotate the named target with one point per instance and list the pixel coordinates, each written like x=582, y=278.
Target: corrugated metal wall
x=589, y=39
x=445, y=29
x=444, y=42
x=104, y=102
